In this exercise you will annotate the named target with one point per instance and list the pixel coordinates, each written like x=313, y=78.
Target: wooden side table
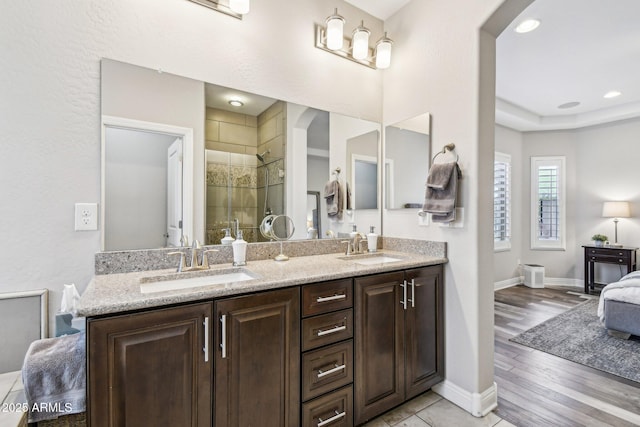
x=607, y=255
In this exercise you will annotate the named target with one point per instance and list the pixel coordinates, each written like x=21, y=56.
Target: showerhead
x=261, y=156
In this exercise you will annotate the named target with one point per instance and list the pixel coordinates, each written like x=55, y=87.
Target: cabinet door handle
x=333, y=330
x=223, y=339
x=331, y=371
x=206, y=339
x=404, y=294
x=336, y=417
x=413, y=293
x=331, y=298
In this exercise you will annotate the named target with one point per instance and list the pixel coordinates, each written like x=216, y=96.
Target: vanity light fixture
x=235, y=8
x=527, y=25
x=330, y=38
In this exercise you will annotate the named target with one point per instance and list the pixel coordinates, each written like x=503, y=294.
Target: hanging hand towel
x=333, y=197
x=442, y=187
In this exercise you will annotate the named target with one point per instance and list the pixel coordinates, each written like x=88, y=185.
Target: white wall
x=50, y=103
x=448, y=66
x=509, y=141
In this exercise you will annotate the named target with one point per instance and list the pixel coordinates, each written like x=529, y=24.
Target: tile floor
x=12, y=397
x=431, y=410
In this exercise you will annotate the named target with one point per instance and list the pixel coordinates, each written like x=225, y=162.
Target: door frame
x=187, y=166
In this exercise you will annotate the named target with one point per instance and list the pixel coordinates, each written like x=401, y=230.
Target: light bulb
x=383, y=52
x=335, y=37
x=239, y=6
x=360, y=42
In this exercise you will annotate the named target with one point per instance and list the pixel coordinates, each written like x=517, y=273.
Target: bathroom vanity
x=323, y=340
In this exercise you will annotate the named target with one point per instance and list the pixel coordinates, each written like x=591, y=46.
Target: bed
x=619, y=306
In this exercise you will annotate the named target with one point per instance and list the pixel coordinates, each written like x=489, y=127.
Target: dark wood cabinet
x=399, y=338
x=257, y=361
x=150, y=368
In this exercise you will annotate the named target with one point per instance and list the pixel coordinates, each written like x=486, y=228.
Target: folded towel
x=333, y=197
x=54, y=377
x=441, y=191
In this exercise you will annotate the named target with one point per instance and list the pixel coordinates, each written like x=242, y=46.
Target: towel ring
x=448, y=147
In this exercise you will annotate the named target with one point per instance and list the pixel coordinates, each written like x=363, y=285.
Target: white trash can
x=534, y=275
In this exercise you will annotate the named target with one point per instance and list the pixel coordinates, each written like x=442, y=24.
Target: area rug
x=579, y=336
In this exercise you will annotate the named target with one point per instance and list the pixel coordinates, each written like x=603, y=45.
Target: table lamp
x=616, y=210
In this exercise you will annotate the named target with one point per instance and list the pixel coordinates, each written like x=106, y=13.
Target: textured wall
x=50, y=102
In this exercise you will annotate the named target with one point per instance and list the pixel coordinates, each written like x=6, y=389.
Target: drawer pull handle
x=620, y=260
x=333, y=330
x=336, y=417
x=322, y=374
x=331, y=298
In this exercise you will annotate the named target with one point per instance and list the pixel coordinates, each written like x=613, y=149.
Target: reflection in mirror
x=407, y=155
x=314, y=222
x=236, y=161
x=362, y=152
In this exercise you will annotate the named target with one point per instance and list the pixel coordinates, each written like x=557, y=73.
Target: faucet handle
x=205, y=258
x=182, y=261
x=348, y=242
x=196, y=244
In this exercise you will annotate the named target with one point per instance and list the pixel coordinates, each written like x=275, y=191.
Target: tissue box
x=66, y=324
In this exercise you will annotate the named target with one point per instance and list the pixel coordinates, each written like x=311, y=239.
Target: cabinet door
x=257, y=373
x=424, y=330
x=149, y=369
x=379, y=380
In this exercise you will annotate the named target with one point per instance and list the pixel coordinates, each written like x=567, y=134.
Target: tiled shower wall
x=235, y=177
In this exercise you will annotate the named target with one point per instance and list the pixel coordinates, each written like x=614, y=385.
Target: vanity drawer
x=327, y=329
x=326, y=369
x=327, y=296
x=331, y=410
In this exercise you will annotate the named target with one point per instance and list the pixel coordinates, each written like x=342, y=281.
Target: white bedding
x=627, y=289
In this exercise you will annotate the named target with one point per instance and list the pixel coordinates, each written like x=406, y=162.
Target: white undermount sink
x=187, y=280
x=371, y=259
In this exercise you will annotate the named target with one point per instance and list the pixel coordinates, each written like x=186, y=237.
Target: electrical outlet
x=86, y=217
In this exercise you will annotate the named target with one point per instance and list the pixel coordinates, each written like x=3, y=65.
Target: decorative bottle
x=372, y=240
x=239, y=250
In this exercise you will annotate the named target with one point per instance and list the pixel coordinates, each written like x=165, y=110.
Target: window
x=502, y=202
x=547, y=203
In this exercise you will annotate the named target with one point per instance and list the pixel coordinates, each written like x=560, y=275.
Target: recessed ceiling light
x=527, y=25
x=236, y=102
x=566, y=105
x=612, y=94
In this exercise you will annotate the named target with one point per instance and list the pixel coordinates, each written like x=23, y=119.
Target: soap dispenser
x=239, y=250
x=227, y=239
x=354, y=231
x=372, y=240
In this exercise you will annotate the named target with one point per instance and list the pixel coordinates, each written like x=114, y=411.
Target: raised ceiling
x=581, y=50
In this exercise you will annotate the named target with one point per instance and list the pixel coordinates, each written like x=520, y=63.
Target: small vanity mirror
x=280, y=228
x=407, y=156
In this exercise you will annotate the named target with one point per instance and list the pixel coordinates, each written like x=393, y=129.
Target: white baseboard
x=477, y=404
x=503, y=284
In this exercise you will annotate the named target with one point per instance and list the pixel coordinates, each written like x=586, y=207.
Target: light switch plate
x=86, y=217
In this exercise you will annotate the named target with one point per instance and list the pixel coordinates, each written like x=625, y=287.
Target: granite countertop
x=116, y=293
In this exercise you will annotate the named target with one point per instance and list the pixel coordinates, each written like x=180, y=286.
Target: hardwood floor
x=537, y=389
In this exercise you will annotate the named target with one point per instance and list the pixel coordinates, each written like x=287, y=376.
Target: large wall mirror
x=407, y=149
x=185, y=159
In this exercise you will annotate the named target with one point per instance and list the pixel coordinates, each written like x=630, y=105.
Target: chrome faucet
x=195, y=265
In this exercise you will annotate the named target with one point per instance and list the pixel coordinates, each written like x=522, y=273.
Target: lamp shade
x=360, y=42
x=616, y=210
x=383, y=52
x=335, y=28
